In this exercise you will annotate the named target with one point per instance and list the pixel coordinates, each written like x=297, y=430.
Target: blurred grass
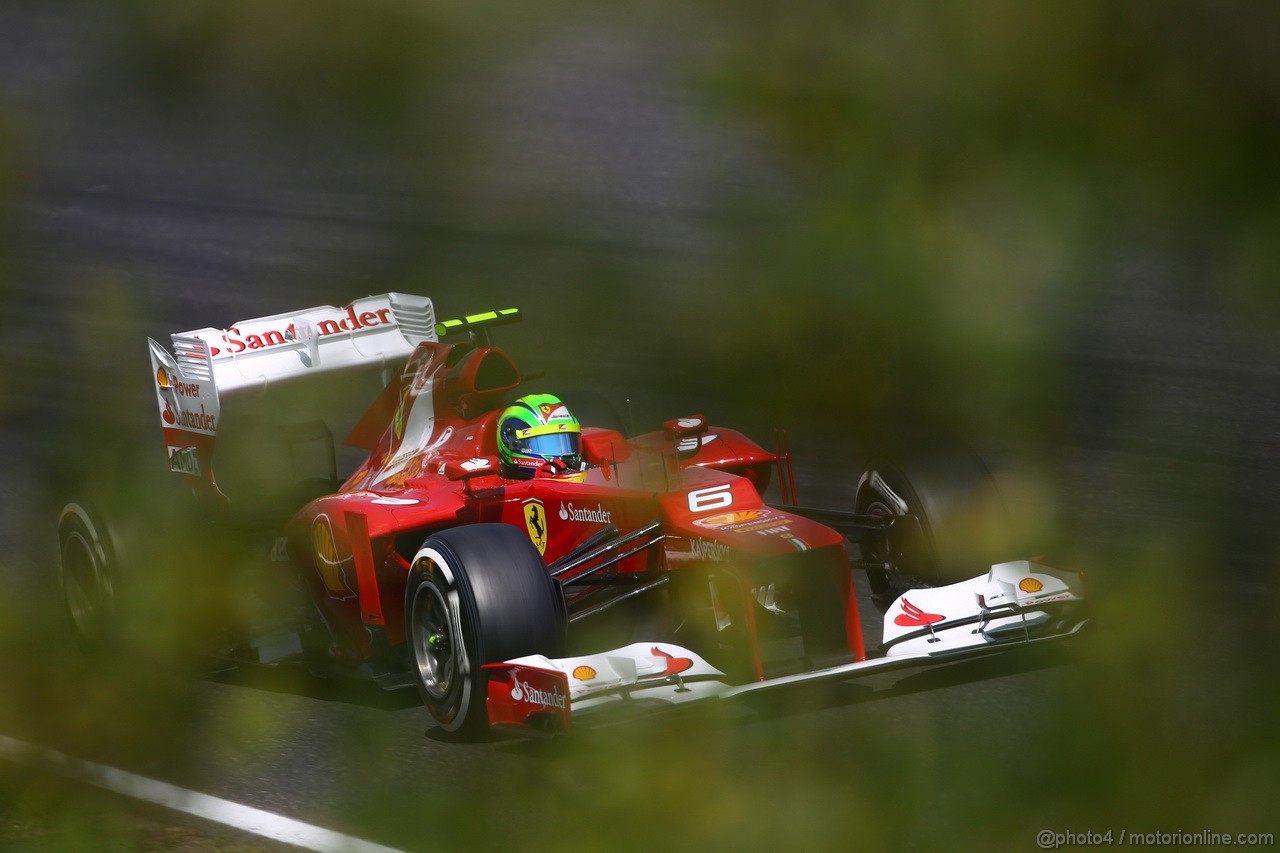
x=952, y=174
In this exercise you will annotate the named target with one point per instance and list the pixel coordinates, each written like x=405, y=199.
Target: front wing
x=1014, y=605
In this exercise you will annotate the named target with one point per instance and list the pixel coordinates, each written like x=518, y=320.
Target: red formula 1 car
x=521, y=568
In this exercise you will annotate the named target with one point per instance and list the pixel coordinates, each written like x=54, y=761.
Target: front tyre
x=475, y=595
x=955, y=526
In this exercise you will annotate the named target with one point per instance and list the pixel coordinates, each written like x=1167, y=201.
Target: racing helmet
x=536, y=434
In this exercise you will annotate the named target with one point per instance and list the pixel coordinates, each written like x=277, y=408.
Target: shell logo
x=1030, y=585
x=584, y=673
x=726, y=518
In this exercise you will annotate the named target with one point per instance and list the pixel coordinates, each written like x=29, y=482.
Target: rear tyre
x=958, y=525
x=88, y=575
x=475, y=595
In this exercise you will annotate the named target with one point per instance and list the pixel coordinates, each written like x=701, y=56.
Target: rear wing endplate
x=209, y=366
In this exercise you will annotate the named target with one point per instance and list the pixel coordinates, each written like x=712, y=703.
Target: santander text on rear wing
x=210, y=366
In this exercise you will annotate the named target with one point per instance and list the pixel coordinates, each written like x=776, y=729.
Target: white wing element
x=1015, y=604
x=1020, y=598
x=253, y=354
x=210, y=366
x=536, y=688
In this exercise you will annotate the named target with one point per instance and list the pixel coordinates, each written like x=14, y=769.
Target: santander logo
x=523, y=692
x=256, y=338
x=190, y=419
x=599, y=515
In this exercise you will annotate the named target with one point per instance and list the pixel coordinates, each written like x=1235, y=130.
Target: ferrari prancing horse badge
x=535, y=519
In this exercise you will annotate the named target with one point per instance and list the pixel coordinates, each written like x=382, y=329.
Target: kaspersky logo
x=524, y=692
x=706, y=549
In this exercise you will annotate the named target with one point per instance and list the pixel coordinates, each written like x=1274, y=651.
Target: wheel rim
x=433, y=641
x=892, y=575
x=86, y=590
x=880, y=552
x=903, y=571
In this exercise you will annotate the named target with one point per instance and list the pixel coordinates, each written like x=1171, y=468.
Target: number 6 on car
x=715, y=497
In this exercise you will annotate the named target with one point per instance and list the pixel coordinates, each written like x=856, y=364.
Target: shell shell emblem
x=725, y=519
x=1030, y=585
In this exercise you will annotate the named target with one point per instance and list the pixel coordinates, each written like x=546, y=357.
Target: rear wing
x=210, y=366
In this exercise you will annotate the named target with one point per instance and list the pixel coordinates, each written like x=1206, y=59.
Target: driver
x=538, y=437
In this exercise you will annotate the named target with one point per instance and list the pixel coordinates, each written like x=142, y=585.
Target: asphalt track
x=131, y=222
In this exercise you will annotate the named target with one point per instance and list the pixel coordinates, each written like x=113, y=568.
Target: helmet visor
x=550, y=445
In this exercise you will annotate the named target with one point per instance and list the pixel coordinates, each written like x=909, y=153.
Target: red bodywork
x=432, y=464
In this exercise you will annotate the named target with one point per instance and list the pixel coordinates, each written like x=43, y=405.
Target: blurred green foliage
x=961, y=168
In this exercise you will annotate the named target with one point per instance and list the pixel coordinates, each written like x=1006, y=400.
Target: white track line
x=244, y=818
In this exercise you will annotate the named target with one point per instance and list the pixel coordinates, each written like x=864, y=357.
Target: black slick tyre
x=475, y=595
x=88, y=574
x=955, y=525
